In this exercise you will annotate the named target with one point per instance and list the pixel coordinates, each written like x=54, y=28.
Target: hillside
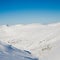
x=8, y=52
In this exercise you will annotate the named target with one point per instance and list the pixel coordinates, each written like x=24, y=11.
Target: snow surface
x=43, y=41
x=8, y=52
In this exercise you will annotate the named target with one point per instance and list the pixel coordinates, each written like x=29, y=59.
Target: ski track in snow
x=43, y=41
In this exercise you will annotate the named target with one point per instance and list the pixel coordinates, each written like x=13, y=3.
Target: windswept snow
x=8, y=52
x=42, y=40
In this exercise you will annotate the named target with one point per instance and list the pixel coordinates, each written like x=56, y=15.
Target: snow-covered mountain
x=43, y=41
x=8, y=52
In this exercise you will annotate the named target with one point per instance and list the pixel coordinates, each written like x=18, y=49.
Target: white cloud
x=37, y=38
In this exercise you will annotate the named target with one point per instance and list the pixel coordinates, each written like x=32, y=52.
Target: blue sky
x=29, y=11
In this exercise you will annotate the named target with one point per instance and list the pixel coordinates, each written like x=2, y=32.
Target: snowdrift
x=8, y=52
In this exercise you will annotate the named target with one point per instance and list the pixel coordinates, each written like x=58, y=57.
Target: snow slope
x=42, y=40
x=8, y=52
